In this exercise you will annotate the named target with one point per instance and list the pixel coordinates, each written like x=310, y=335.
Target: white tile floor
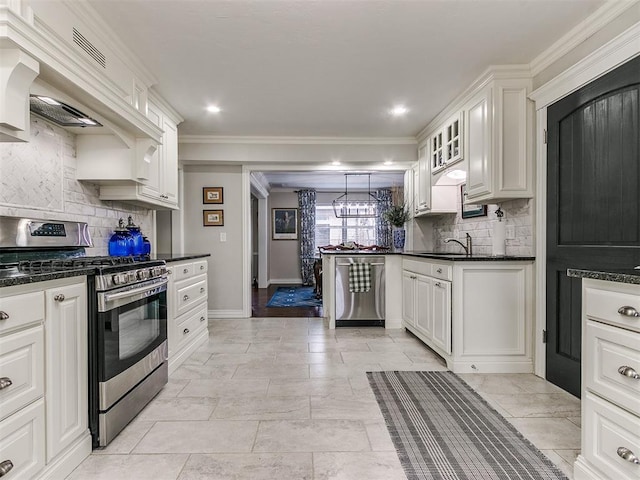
x=282, y=398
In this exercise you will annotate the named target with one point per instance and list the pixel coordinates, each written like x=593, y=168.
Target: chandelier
x=354, y=207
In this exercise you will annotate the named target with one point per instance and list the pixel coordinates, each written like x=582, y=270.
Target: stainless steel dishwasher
x=360, y=308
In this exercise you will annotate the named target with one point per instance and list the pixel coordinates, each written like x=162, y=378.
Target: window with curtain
x=333, y=231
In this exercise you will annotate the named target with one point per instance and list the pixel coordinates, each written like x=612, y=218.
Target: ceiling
x=328, y=68
x=334, y=181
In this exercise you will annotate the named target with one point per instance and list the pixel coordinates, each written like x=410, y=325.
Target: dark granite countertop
x=461, y=257
x=170, y=257
x=626, y=275
x=9, y=278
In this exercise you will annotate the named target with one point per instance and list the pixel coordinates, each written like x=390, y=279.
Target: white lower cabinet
x=43, y=378
x=610, y=382
x=477, y=315
x=187, y=309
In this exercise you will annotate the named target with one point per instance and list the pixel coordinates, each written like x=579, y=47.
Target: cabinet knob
x=59, y=298
x=185, y=331
x=4, y=315
x=169, y=272
x=5, y=382
x=201, y=289
x=628, y=311
x=186, y=270
x=628, y=372
x=201, y=267
x=5, y=467
x=438, y=284
x=202, y=319
x=185, y=298
x=439, y=270
x=628, y=455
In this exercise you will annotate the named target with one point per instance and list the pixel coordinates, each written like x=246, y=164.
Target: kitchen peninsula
x=475, y=311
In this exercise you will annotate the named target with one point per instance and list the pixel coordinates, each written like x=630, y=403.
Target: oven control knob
x=119, y=278
x=143, y=274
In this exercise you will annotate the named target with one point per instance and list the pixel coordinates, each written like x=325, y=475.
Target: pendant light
x=345, y=207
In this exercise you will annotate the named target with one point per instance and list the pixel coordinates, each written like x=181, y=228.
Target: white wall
x=226, y=261
x=38, y=180
x=284, y=255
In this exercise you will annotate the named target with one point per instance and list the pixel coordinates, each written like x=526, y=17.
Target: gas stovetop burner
x=58, y=264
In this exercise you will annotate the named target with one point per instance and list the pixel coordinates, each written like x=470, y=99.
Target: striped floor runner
x=442, y=429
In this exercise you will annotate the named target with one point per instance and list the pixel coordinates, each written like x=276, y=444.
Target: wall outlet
x=223, y=236
x=510, y=232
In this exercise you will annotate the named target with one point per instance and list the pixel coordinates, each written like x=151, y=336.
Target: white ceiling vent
x=89, y=48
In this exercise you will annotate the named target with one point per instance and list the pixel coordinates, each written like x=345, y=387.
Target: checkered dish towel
x=359, y=277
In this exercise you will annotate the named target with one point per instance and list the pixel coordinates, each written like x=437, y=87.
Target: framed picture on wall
x=284, y=223
x=213, y=218
x=470, y=211
x=212, y=195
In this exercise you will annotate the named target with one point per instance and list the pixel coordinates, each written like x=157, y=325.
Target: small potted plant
x=397, y=216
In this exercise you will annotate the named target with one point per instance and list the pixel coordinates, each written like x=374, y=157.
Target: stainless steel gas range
x=127, y=315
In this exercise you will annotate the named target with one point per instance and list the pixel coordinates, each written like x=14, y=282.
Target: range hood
x=60, y=113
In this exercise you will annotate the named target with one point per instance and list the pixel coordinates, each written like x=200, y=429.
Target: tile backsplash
x=517, y=214
x=38, y=180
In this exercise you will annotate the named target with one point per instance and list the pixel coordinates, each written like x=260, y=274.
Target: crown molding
x=617, y=51
x=260, y=183
x=578, y=34
x=267, y=140
x=169, y=110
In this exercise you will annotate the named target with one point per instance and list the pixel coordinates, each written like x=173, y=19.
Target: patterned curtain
x=307, y=204
x=383, y=228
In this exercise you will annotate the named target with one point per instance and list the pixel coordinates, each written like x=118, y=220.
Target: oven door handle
x=109, y=297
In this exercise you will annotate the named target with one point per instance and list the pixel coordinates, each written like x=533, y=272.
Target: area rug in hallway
x=442, y=429
x=294, y=297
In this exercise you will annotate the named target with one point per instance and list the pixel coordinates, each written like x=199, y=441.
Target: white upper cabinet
x=446, y=144
x=424, y=180
x=498, y=139
x=158, y=179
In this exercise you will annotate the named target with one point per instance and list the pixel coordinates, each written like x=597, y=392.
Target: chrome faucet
x=468, y=248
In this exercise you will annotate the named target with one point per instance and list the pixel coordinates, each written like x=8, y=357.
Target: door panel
x=593, y=214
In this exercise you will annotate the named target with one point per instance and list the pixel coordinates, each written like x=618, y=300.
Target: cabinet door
x=170, y=162
x=437, y=151
x=408, y=297
x=408, y=190
x=424, y=317
x=441, y=314
x=424, y=186
x=453, y=139
x=153, y=185
x=416, y=188
x=478, y=148
x=66, y=366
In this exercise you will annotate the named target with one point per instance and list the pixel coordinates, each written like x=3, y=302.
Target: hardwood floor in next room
x=287, y=398
x=261, y=296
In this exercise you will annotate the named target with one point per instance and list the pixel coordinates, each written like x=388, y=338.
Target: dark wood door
x=593, y=203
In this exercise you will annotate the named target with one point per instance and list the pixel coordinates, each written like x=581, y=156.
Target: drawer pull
x=4, y=315
x=5, y=382
x=186, y=270
x=628, y=455
x=185, y=298
x=202, y=319
x=438, y=284
x=628, y=311
x=59, y=298
x=201, y=267
x=5, y=467
x=185, y=331
x=628, y=372
x=439, y=270
x=201, y=289
x=169, y=272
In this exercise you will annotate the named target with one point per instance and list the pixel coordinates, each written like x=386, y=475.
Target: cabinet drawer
x=189, y=293
x=182, y=271
x=200, y=266
x=22, y=364
x=607, y=429
x=22, y=441
x=21, y=310
x=189, y=326
x=603, y=305
x=441, y=271
x=609, y=349
x=417, y=266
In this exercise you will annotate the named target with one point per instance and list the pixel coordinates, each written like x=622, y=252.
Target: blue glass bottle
x=136, y=234
x=146, y=246
x=121, y=242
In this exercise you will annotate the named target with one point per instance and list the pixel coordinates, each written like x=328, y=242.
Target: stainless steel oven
x=130, y=339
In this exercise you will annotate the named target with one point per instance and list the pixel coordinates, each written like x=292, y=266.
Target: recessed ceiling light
x=388, y=162
x=398, y=110
x=214, y=109
x=335, y=162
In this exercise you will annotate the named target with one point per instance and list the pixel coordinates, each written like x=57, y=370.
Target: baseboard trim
x=178, y=359
x=213, y=314
x=66, y=462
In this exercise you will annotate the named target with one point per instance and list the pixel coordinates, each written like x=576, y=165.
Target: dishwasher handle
x=347, y=264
